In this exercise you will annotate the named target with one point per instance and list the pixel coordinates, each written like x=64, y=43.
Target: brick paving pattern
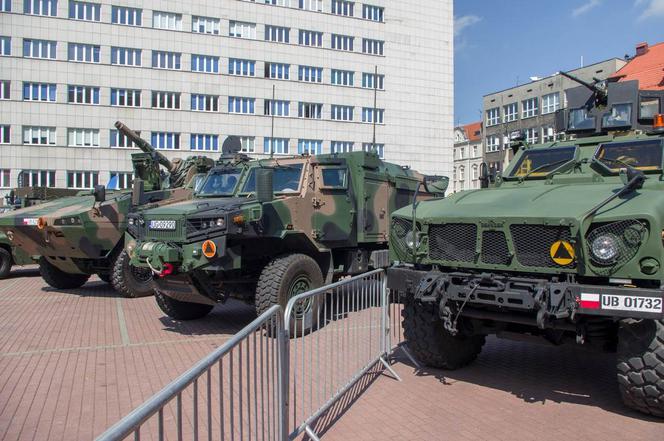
x=72, y=363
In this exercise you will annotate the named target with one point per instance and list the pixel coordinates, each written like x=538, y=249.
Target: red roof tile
x=473, y=131
x=648, y=69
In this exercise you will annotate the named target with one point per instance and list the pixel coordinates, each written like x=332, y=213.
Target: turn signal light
x=238, y=220
x=658, y=121
x=41, y=223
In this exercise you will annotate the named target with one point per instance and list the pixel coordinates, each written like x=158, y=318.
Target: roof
x=647, y=68
x=473, y=131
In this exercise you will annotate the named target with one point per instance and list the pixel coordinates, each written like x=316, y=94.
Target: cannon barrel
x=601, y=93
x=144, y=145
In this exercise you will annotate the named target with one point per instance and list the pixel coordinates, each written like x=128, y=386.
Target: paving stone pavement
x=72, y=363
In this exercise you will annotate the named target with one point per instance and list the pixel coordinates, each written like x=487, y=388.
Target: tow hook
x=166, y=269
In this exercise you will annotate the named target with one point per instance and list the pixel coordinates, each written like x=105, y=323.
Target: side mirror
x=264, y=190
x=100, y=193
x=437, y=185
x=485, y=177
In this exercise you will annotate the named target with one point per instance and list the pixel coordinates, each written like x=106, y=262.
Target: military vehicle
x=567, y=245
x=265, y=230
x=84, y=235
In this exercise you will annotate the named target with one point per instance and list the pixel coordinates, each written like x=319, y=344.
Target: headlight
x=221, y=222
x=68, y=221
x=605, y=248
x=412, y=240
x=130, y=221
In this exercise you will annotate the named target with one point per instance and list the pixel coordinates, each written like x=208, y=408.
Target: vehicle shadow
x=227, y=318
x=28, y=271
x=538, y=374
x=93, y=288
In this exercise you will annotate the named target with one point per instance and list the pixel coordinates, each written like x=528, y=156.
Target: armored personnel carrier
x=265, y=230
x=567, y=245
x=84, y=235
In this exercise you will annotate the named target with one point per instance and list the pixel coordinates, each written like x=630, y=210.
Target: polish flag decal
x=589, y=301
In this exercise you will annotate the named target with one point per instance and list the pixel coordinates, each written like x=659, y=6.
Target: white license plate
x=632, y=303
x=31, y=221
x=162, y=225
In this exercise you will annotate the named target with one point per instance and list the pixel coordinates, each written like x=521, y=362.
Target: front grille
x=453, y=242
x=494, y=248
x=628, y=236
x=532, y=244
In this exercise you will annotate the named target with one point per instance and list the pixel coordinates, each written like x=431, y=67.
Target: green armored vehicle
x=84, y=235
x=566, y=245
x=265, y=230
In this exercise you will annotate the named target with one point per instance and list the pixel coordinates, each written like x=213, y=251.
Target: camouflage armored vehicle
x=84, y=235
x=265, y=230
x=566, y=245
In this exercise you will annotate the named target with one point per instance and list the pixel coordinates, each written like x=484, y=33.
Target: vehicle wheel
x=58, y=278
x=180, y=310
x=641, y=365
x=285, y=277
x=432, y=344
x=129, y=280
x=105, y=278
x=5, y=263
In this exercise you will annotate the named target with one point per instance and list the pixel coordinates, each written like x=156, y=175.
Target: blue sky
x=498, y=42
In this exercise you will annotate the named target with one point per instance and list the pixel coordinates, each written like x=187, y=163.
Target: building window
x=82, y=179
x=167, y=20
x=492, y=143
x=342, y=113
x=125, y=56
x=41, y=7
x=204, y=63
x=205, y=103
x=373, y=13
x=310, y=110
x=277, y=71
x=241, y=29
x=205, y=25
x=550, y=103
x=39, y=135
x=529, y=108
x=279, y=34
x=285, y=3
x=5, y=90
x=341, y=147
x=5, y=5
x=5, y=134
x=126, y=97
x=461, y=174
x=165, y=140
x=238, y=104
x=248, y=144
x=205, y=142
x=342, y=42
x=342, y=7
x=5, y=45
x=371, y=115
x=165, y=100
x=309, y=146
x=39, y=49
x=244, y=68
x=492, y=116
x=84, y=11
x=5, y=182
x=39, y=92
x=371, y=147
x=83, y=137
x=118, y=139
x=342, y=77
x=275, y=145
x=474, y=171
x=372, y=47
x=532, y=135
x=86, y=53
x=461, y=153
x=310, y=74
x=82, y=94
x=126, y=16
x=548, y=134
x=120, y=180
x=511, y=112
x=277, y=107
x=166, y=60
x=476, y=152
x=310, y=38
x=311, y=5
x=369, y=81
x=37, y=178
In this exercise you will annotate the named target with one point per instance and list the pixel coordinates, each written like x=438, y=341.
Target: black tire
x=432, y=344
x=130, y=281
x=641, y=365
x=5, y=263
x=180, y=310
x=58, y=278
x=285, y=277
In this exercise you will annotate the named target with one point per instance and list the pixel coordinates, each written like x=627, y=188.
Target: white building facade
x=188, y=74
x=468, y=157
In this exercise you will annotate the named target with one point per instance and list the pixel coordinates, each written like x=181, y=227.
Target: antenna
x=272, y=106
x=375, y=111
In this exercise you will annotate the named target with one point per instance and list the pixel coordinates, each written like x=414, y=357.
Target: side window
x=334, y=177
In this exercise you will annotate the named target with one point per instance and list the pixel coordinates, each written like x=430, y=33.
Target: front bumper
x=183, y=257
x=551, y=300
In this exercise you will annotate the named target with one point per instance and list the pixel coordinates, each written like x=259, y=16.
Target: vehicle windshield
x=286, y=179
x=644, y=155
x=540, y=162
x=220, y=183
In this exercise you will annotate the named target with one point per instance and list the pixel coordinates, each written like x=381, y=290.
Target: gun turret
x=145, y=146
x=599, y=92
